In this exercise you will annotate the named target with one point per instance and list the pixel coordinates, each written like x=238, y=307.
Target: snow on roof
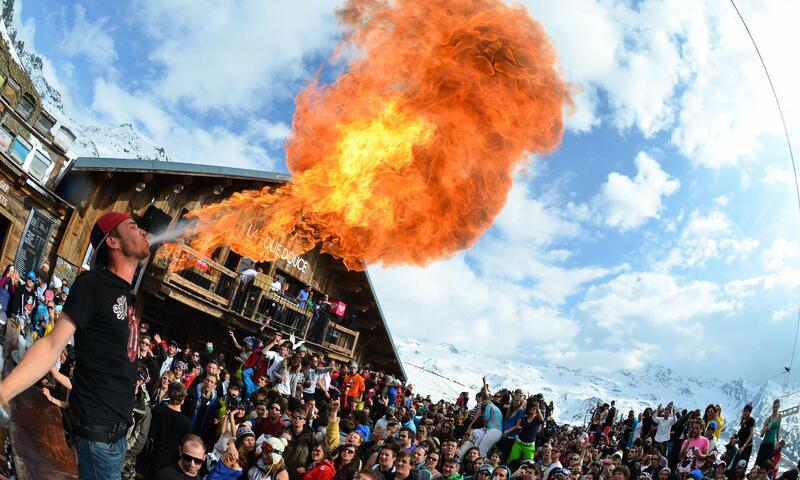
x=10, y=44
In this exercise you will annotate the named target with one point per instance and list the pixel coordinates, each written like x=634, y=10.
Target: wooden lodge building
x=203, y=301
x=49, y=202
x=33, y=158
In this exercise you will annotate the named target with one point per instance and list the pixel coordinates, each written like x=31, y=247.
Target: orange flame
x=409, y=155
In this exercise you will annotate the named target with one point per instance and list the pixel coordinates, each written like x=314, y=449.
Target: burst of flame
x=409, y=155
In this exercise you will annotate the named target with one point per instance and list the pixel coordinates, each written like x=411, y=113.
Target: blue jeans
x=100, y=460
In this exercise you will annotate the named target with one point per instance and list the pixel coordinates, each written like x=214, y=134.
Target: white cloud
x=777, y=175
x=722, y=200
x=236, y=56
x=272, y=132
x=627, y=202
x=706, y=237
x=539, y=220
x=652, y=299
x=781, y=314
x=89, y=40
x=781, y=254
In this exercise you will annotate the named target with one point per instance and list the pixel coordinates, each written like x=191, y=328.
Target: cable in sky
x=791, y=157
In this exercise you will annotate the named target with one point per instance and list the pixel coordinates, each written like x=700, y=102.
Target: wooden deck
x=214, y=289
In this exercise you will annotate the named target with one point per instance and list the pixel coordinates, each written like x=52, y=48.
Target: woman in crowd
x=771, y=435
x=159, y=394
x=347, y=463
x=320, y=467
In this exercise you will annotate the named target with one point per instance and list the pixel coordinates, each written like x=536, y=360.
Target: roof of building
x=385, y=325
x=133, y=165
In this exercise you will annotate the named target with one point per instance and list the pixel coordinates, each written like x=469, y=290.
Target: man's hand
x=301, y=471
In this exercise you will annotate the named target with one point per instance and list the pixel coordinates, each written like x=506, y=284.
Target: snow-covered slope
x=443, y=371
x=92, y=140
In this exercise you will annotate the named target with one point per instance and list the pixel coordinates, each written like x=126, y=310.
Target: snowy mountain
x=443, y=371
x=92, y=140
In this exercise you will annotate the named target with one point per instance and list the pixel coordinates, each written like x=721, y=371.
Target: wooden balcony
x=216, y=286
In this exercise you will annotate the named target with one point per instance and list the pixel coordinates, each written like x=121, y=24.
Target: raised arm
x=61, y=378
x=234, y=341
x=38, y=359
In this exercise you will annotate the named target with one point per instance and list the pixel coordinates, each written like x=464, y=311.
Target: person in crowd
x=450, y=469
x=192, y=455
x=320, y=466
x=353, y=386
x=23, y=300
x=168, y=427
x=421, y=470
x=201, y=407
x=298, y=450
x=137, y=435
x=385, y=463
x=270, y=464
x=745, y=436
x=770, y=436
x=272, y=423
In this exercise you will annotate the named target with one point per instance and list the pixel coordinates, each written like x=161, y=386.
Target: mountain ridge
x=443, y=371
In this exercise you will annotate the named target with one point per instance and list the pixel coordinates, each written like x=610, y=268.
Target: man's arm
x=38, y=359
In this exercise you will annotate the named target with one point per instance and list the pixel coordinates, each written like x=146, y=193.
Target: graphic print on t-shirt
x=124, y=311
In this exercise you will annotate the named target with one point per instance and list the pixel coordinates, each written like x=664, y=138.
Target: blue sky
x=663, y=231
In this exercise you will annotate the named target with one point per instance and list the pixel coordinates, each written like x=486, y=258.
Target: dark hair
x=623, y=470
x=176, y=392
x=452, y=461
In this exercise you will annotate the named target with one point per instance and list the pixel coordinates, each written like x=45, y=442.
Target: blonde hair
x=157, y=385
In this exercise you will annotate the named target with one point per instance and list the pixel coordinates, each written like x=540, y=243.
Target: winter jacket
x=322, y=470
x=298, y=452
x=137, y=433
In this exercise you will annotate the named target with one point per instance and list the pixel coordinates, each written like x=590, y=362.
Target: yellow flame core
x=366, y=151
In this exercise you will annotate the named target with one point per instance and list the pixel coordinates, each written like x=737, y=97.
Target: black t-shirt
x=106, y=342
x=167, y=428
x=172, y=472
x=745, y=427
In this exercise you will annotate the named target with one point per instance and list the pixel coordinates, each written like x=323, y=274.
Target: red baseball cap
x=105, y=225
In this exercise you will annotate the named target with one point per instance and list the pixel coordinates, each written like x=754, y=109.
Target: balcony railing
x=205, y=277
x=217, y=284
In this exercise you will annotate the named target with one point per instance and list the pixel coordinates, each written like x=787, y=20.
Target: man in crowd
x=421, y=470
x=385, y=463
x=168, y=427
x=192, y=455
x=298, y=451
x=201, y=407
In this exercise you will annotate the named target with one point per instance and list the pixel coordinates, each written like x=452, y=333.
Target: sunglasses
x=190, y=459
x=266, y=447
x=298, y=418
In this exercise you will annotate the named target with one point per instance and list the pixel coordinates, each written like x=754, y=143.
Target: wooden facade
x=33, y=156
x=202, y=301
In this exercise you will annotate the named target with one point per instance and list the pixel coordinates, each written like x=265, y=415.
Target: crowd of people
x=136, y=405
x=266, y=411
